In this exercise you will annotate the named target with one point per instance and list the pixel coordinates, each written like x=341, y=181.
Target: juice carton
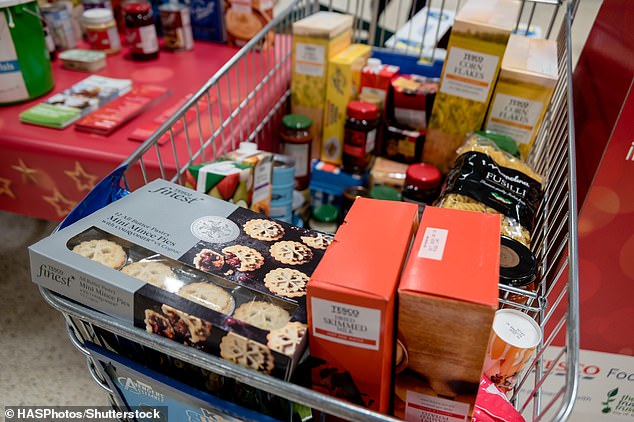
x=523, y=91
x=448, y=296
x=351, y=300
x=315, y=39
x=344, y=72
x=474, y=54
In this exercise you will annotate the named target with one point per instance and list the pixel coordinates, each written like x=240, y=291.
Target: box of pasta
x=352, y=302
x=476, y=45
x=192, y=268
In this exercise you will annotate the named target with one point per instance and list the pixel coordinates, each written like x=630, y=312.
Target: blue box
x=208, y=19
x=328, y=181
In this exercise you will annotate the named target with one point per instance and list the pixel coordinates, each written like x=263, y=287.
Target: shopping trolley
x=245, y=101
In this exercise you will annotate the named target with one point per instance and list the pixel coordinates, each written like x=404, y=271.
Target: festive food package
x=192, y=268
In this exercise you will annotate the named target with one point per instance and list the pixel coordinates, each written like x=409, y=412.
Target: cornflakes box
x=315, y=40
x=344, y=73
x=474, y=54
x=524, y=89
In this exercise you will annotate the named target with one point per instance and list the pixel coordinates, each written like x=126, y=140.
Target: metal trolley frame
x=245, y=100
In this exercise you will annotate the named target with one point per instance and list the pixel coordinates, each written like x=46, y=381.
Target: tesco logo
x=587, y=371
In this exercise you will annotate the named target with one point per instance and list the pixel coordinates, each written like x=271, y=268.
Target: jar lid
x=362, y=110
x=385, y=192
x=137, y=7
x=370, y=97
x=97, y=15
x=504, y=142
x=296, y=121
x=422, y=175
x=518, y=266
x=326, y=213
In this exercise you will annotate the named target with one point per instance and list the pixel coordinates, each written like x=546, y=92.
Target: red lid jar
x=422, y=184
x=359, y=135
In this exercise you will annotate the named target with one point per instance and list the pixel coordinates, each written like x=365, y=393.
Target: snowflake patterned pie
x=262, y=229
x=286, y=282
x=264, y=315
x=103, y=251
x=247, y=353
x=289, y=252
x=243, y=258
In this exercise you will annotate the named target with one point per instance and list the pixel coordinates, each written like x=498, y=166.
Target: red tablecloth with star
x=45, y=172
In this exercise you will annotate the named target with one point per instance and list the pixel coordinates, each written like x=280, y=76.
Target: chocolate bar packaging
x=192, y=268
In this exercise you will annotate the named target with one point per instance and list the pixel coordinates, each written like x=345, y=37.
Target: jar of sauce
x=101, y=30
x=359, y=136
x=324, y=219
x=518, y=268
x=295, y=142
x=140, y=30
x=422, y=185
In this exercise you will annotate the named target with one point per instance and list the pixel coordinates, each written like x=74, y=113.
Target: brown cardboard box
x=447, y=300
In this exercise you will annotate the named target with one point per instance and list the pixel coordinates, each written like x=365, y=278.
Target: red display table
x=44, y=172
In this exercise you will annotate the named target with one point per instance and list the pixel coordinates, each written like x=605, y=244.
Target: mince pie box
x=447, y=296
x=352, y=302
x=192, y=268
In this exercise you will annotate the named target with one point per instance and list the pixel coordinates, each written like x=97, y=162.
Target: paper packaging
x=448, y=296
x=377, y=80
x=244, y=19
x=327, y=183
x=352, y=299
x=315, y=39
x=262, y=164
x=344, y=72
x=474, y=54
x=207, y=20
x=527, y=80
x=239, y=257
x=387, y=172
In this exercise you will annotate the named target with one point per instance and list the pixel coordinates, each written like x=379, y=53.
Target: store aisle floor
x=38, y=364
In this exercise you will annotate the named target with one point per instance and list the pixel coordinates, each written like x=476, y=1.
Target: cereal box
x=523, y=91
x=344, y=72
x=191, y=268
x=447, y=300
x=474, y=54
x=315, y=39
x=352, y=302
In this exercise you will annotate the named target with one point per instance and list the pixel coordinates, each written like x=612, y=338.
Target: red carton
x=351, y=302
x=376, y=80
x=447, y=296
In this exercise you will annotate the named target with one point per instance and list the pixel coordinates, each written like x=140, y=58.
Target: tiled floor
x=38, y=364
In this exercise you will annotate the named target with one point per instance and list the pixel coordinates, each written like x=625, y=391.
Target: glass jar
x=350, y=194
x=296, y=140
x=140, y=30
x=324, y=219
x=359, y=136
x=518, y=268
x=422, y=185
x=386, y=193
x=101, y=30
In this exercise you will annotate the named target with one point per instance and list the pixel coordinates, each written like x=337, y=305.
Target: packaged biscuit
x=197, y=270
x=316, y=39
x=487, y=179
x=474, y=54
x=352, y=302
x=523, y=91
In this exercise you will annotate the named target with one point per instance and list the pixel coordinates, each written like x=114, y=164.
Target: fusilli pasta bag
x=478, y=183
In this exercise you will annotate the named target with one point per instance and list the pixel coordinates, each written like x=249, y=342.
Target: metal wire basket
x=246, y=99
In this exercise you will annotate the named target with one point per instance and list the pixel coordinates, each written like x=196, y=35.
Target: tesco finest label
x=469, y=74
x=346, y=324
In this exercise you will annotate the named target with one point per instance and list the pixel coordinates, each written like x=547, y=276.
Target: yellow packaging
x=344, y=74
x=523, y=91
x=474, y=54
x=315, y=39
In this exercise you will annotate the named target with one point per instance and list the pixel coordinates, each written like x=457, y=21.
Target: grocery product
x=387, y=172
x=140, y=30
x=84, y=60
x=422, y=185
x=344, y=72
x=195, y=269
x=282, y=188
x=476, y=45
x=518, y=268
x=523, y=91
x=207, y=20
x=316, y=39
x=513, y=340
x=177, y=28
x=328, y=181
x=245, y=18
x=352, y=299
x=296, y=141
x=448, y=295
x=101, y=30
x=360, y=133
